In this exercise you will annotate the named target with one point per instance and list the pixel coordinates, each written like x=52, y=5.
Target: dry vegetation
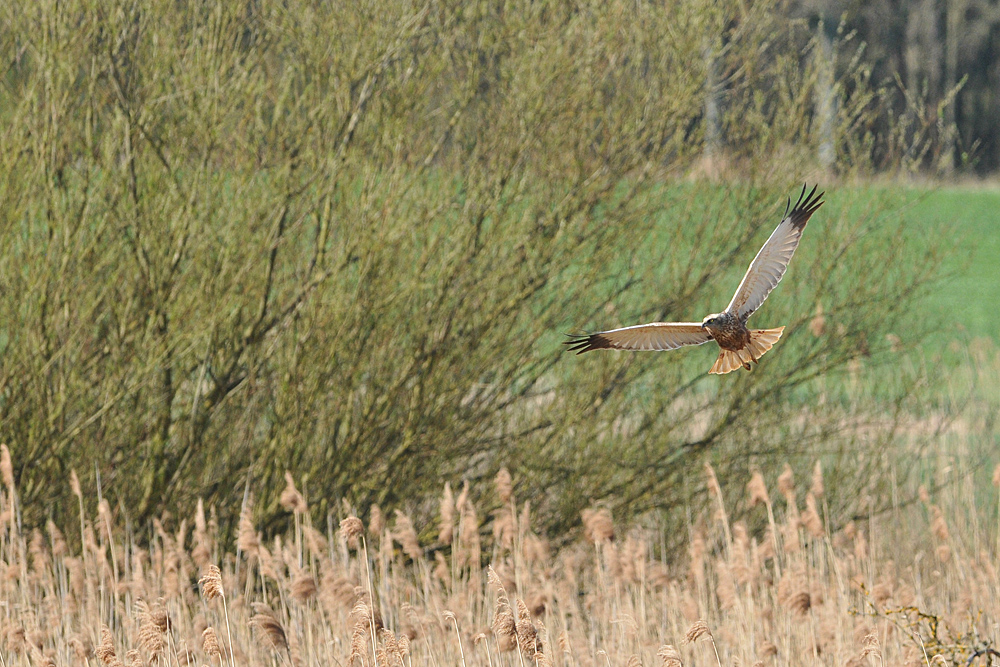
x=779, y=587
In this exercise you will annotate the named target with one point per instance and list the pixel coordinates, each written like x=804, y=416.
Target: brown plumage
x=739, y=345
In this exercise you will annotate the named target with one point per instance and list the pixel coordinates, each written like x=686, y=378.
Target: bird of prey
x=740, y=345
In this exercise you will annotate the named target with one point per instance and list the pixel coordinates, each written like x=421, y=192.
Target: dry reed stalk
x=505, y=485
x=404, y=649
x=40, y=659
x=104, y=528
x=670, y=656
x=725, y=587
x=56, y=538
x=696, y=555
x=698, y=630
x=715, y=491
x=210, y=643
x=738, y=558
x=504, y=626
x=450, y=616
x=150, y=634
x=939, y=527
x=106, y=649
x=404, y=533
x=757, y=490
x=504, y=528
x=211, y=584
x=481, y=638
x=81, y=647
x=527, y=634
x=996, y=484
x=246, y=539
x=7, y=470
x=786, y=486
x=447, y=527
x=872, y=646
x=353, y=527
x=304, y=586
x=811, y=519
x=469, y=547
x=463, y=497
x=817, y=487
x=396, y=648
x=598, y=527
x=201, y=554
x=376, y=521
x=271, y=629
x=290, y=498
x=441, y=570
x=360, y=630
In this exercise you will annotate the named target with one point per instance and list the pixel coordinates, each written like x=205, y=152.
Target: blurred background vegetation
x=344, y=239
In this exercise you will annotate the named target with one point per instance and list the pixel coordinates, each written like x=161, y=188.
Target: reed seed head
x=106, y=649
x=698, y=630
x=670, y=656
x=505, y=485
x=376, y=521
x=757, y=490
x=6, y=469
x=290, y=498
x=786, y=484
x=266, y=622
x=74, y=484
x=246, y=540
x=712, y=482
x=447, y=527
x=352, y=529
x=406, y=535
x=872, y=646
x=817, y=488
x=210, y=642
x=597, y=525
x=211, y=583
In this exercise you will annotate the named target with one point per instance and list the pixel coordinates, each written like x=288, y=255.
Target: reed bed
x=777, y=586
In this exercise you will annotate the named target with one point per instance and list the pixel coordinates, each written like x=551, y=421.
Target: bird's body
x=739, y=345
x=728, y=331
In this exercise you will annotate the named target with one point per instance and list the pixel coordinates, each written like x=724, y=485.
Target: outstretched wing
x=769, y=265
x=655, y=336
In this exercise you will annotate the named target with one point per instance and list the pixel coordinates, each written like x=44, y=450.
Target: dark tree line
x=930, y=48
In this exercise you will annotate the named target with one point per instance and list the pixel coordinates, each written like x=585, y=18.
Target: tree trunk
x=826, y=101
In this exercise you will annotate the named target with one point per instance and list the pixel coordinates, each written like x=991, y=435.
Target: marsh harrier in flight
x=740, y=345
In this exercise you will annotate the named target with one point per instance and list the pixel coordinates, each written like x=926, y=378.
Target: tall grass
x=778, y=586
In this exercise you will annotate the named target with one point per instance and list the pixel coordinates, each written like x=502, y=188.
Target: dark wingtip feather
x=805, y=206
x=581, y=343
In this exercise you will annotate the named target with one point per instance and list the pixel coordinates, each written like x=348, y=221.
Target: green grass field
x=970, y=292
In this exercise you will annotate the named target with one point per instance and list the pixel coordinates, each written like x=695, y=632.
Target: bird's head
x=711, y=321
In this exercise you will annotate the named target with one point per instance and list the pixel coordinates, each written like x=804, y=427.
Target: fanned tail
x=761, y=340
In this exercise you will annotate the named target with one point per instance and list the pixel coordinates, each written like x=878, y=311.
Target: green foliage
x=342, y=238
